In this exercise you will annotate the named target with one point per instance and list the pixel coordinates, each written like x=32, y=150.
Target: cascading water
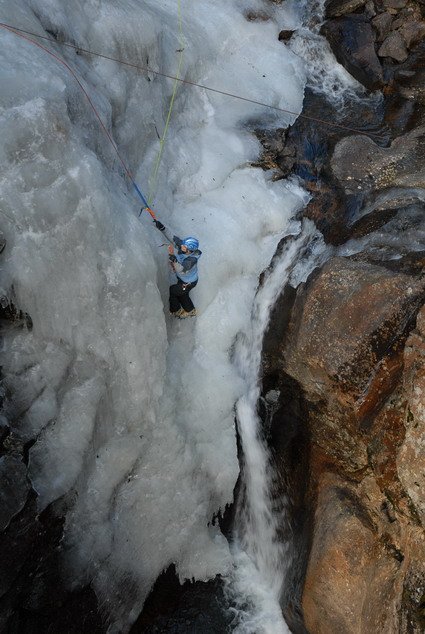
x=260, y=555
x=324, y=74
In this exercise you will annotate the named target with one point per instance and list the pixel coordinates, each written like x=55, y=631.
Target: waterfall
x=260, y=556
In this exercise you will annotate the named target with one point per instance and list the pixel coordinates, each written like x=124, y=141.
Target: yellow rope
x=153, y=180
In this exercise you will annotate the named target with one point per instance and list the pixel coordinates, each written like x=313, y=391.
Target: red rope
x=75, y=76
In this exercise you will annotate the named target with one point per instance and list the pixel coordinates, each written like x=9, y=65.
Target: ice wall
x=133, y=414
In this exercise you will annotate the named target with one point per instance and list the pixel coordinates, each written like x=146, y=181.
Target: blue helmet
x=191, y=243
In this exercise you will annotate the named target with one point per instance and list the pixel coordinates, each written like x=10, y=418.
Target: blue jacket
x=185, y=264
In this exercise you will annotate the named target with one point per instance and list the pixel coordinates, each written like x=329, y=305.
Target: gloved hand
x=172, y=258
x=159, y=225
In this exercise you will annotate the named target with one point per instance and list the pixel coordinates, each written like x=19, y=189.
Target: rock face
x=411, y=456
x=336, y=8
x=382, y=25
x=353, y=42
x=350, y=317
x=394, y=47
x=363, y=376
x=346, y=556
x=350, y=362
x=369, y=54
x=360, y=164
x=346, y=350
x=15, y=488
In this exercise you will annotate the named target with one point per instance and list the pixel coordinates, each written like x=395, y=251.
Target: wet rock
x=343, y=322
x=34, y=594
x=405, y=94
x=257, y=16
x=353, y=43
x=184, y=609
x=327, y=210
x=349, y=348
x=14, y=488
x=285, y=35
x=394, y=223
x=382, y=24
x=394, y=47
x=336, y=8
x=329, y=207
x=411, y=85
x=361, y=165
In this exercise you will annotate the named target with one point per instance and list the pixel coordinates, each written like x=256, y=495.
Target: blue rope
x=138, y=190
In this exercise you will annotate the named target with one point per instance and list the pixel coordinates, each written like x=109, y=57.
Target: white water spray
x=324, y=74
x=260, y=557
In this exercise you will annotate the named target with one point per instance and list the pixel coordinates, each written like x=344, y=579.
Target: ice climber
x=184, y=267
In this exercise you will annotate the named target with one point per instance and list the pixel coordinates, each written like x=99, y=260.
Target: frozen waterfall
x=131, y=416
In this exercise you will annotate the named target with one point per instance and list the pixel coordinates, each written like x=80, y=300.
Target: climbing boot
x=178, y=313
x=184, y=314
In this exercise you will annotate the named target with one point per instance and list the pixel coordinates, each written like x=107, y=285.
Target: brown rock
x=382, y=24
x=285, y=36
x=345, y=346
x=420, y=323
x=411, y=457
x=366, y=570
x=394, y=47
x=412, y=33
x=349, y=584
x=395, y=4
x=336, y=8
x=362, y=377
x=326, y=209
x=400, y=165
x=408, y=14
x=370, y=10
x=349, y=312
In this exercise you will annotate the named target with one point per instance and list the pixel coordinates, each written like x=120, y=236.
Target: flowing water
x=261, y=558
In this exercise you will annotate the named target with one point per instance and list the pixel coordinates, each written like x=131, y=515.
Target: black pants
x=179, y=296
